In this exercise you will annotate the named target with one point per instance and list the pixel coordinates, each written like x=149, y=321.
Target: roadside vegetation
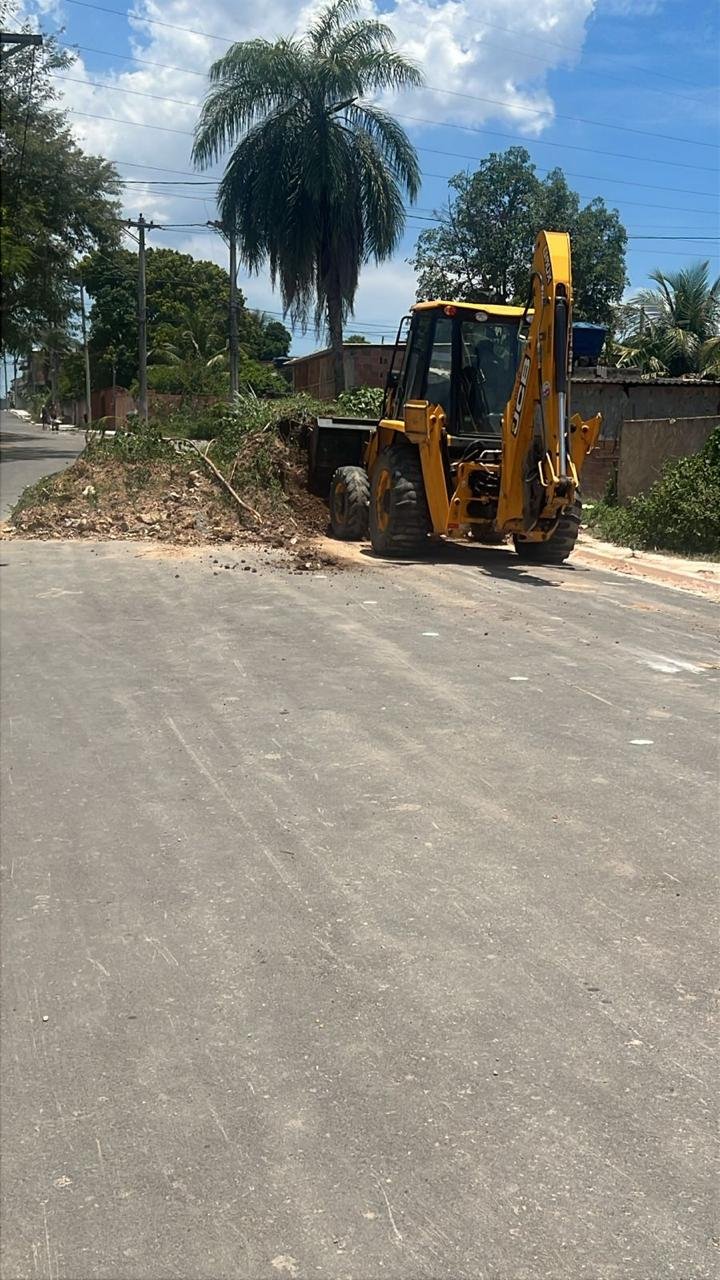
x=246, y=480
x=672, y=329
x=679, y=513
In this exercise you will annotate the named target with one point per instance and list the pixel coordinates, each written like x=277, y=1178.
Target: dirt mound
x=174, y=499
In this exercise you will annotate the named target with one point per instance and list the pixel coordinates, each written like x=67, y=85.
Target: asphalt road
x=27, y=453
x=355, y=926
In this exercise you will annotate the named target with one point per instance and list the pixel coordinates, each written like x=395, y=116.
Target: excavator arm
x=542, y=449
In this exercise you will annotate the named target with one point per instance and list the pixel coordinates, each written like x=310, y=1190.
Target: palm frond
x=358, y=38
x=328, y=23
x=710, y=357
x=380, y=70
x=391, y=142
x=248, y=82
x=316, y=178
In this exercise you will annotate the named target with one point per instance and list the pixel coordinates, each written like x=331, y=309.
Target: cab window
x=413, y=374
x=440, y=366
x=488, y=361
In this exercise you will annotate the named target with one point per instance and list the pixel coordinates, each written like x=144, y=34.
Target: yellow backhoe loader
x=476, y=437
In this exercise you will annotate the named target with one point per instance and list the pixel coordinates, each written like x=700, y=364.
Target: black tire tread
x=560, y=545
x=357, y=499
x=410, y=525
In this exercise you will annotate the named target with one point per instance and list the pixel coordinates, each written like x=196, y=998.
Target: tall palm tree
x=675, y=327
x=316, y=178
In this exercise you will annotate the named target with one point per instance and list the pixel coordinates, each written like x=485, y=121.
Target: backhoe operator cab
x=476, y=437
x=462, y=357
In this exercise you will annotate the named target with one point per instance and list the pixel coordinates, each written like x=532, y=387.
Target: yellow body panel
x=424, y=424
x=533, y=403
x=491, y=308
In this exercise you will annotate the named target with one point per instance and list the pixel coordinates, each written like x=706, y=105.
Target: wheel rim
x=382, y=500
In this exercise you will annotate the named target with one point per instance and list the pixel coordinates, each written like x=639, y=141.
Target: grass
x=37, y=494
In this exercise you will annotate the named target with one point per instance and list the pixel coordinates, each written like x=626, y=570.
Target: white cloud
x=486, y=49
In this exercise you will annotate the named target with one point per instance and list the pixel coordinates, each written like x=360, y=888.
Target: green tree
x=675, y=328
x=57, y=202
x=357, y=339
x=262, y=338
x=482, y=249
x=275, y=340
x=187, y=310
x=316, y=178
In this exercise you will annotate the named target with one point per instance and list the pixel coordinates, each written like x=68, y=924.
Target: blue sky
x=622, y=94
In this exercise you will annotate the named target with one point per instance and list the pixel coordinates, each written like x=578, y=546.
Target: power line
x=125, y=57
x=203, y=75
x=590, y=177
x=202, y=227
x=153, y=22
x=585, y=177
x=616, y=155
x=140, y=124
x=465, y=128
x=119, y=88
x=556, y=115
x=686, y=239
x=149, y=184
x=513, y=31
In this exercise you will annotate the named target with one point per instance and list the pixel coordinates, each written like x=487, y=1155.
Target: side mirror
x=393, y=379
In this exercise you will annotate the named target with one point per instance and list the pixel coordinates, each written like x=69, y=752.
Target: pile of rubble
x=176, y=500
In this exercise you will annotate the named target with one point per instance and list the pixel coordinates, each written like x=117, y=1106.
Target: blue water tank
x=588, y=341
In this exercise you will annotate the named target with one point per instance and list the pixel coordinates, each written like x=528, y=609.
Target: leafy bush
x=194, y=378
x=208, y=422
x=188, y=377
x=680, y=512
x=144, y=443
x=261, y=380
x=362, y=402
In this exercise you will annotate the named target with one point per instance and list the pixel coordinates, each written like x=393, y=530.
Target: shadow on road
x=22, y=452
x=493, y=562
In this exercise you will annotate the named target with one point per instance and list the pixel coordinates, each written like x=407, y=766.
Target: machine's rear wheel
x=559, y=546
x=399, y=516
x=349, y=503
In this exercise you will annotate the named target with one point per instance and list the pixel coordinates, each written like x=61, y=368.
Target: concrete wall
x=601, y=466
x=366, y=365
x=646, y=445
x=107, y=402
x=618, y=400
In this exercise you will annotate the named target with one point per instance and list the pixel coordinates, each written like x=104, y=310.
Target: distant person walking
x=46, y=416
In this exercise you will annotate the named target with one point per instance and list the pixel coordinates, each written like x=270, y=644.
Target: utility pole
x=20, y=39
x=233, y=319
x=229, y=236
x=88, y=390
x=142, y=226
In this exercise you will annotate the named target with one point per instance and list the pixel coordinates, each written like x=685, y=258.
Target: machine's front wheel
x=349, y=503
x=399, y=516
x=559, y=545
